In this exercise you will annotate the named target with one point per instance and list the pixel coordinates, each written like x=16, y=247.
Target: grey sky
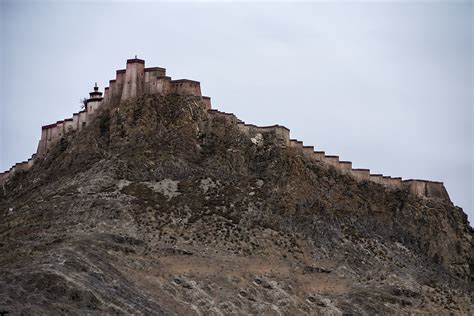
x=388, y=86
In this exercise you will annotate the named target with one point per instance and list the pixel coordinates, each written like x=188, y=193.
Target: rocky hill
x=162, y=207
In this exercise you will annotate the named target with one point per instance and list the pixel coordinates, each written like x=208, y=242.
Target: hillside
x=160, y=206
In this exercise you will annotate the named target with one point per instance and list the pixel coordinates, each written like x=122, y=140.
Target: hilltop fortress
x=136, y=80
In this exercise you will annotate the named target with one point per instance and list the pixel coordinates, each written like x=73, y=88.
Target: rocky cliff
x=162, y=207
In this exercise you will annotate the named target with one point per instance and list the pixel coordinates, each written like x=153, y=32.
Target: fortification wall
x=361, y=174
x=186, y=87
x=227, y=116
x=280, y=134
x=345, y=167
x=332, y=160
x=319, y=155
x=154, y=72
x=308, y=151
x=136, y=79
x=207, y=102
x=425, y=188
x=106, y=95
x=377, y=178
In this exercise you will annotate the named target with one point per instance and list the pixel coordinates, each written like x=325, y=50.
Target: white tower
x=95, y=98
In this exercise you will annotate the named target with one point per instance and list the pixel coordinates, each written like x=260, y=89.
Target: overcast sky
x=387, y=85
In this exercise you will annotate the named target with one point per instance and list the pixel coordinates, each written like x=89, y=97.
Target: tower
x=95, y=97
x=133, y=84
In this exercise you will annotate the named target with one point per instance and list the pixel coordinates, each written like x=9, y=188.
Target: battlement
x=136, y=80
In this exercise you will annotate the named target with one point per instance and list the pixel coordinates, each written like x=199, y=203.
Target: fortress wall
x=21, y=166
x=308, y=151
x=31, y=161
x=243, y=128
x=345, y=167
x=82, y=119
x=151, y=84
x=106, y=95
x=154, y=72
x=118, y=86
x=282, y=134
x=396, y=183
x=361, y=174
x=377, y=178
x=41, y=148
x=158, y=85
x=293, y=143
x=75, y=121
x=207, y=102
x=319, y=155
x=186, y=87
x=296, y=144
x=59, y=129
x=332, y=160
x=415, y=187
x=3, y=177
x=436, y=189
x=134, y=79
x=392, y=183
x=68, y=125
x=164, y=85
x=386, y=181
x=112, y=90
x=53, y=133
x=252, y=129
x=426, y=188
x=227, y=116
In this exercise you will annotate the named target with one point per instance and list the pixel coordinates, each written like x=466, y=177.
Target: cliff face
x=160, y=206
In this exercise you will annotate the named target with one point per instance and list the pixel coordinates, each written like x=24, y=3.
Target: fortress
x=136, y=80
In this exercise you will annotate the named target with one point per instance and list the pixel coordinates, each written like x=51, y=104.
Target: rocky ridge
x=162, y=207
